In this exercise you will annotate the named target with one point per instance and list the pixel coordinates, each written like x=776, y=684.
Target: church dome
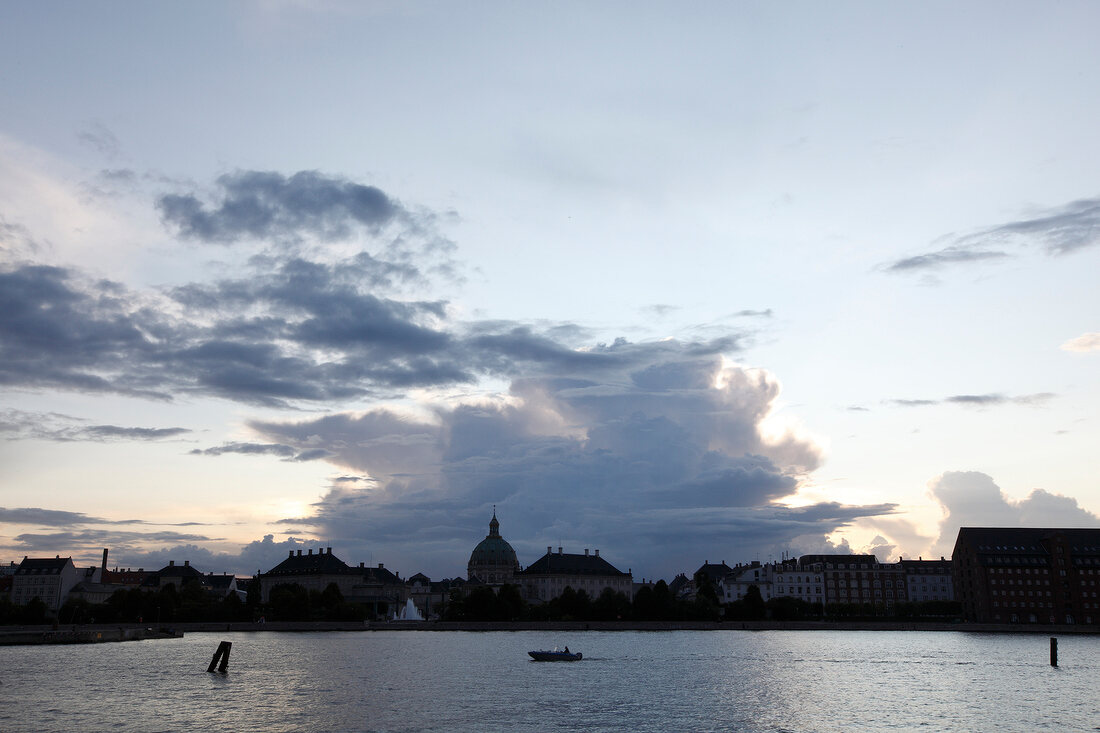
x=493, y=555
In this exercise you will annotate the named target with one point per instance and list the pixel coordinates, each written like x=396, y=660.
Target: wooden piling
x=1053, y=651
x=222, y=654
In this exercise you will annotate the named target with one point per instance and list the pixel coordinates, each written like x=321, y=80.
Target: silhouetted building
x=172, y=574
x=493, y=561
x=377, y=587
x=547, y=577
x=1027, y=575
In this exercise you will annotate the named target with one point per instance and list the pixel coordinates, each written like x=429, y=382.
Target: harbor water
x=644, y=681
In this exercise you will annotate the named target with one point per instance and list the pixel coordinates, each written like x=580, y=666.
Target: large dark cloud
x=297, y=325
x=264, y=205
x=294, y=331
x=86, y=336
x=655, y=453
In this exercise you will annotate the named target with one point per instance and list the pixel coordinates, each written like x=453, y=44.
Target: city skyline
x=713, y=283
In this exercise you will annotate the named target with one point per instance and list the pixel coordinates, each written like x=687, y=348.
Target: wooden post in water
x=1053, y=651
x=223, y=654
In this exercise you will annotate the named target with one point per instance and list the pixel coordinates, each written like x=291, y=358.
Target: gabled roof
x=220, y=581
x=376, y=575
x=321, y=563
x=570, y=564
x=185, y=573
x=714, y=572
x=679, y=582
x=43, y=565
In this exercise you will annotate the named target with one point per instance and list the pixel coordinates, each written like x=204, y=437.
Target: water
x=452, y=681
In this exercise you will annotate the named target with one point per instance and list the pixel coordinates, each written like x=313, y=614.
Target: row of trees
x=292, y=602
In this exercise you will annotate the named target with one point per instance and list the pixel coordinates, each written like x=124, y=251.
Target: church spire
x=494, y=525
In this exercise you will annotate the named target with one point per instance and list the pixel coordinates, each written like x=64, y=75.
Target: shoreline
x=104, y=633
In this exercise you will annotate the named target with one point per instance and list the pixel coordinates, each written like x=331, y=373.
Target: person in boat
x=566, y=650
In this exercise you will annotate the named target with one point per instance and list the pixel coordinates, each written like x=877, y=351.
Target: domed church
x=493, y=561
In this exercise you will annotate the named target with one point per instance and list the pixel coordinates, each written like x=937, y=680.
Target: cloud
x=979, y=400
x=258, y=555
x=660, y=310
x=948, y=256
x=270, y=449
x=46, y=517
x=972, y=499
x=63, y=331
x=21, y=425
x=57, y=518
x=99, y=137
x=263, y=204
x=1059, y=231
x=327, y=325
x=653, y=452
x=16, y=241
x=1083, y=343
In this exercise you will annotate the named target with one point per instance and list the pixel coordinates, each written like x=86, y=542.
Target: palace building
x=547, y=577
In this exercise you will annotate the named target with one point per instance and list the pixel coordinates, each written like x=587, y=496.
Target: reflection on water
x=649, y=681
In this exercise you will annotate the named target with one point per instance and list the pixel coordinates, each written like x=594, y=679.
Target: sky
x=681, y=283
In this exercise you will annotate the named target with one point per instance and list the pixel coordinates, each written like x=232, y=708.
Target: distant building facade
x=786, y=579
x=47, y=579
x=858, y=579
x=1027, y=575
x=928, y=580
x=546, y=578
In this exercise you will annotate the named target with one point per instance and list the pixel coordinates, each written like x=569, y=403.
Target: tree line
x=292, y=602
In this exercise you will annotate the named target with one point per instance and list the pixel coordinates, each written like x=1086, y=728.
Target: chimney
x=186, y=563
x=597, y=553
x=299, y=553
x=310, y=552
x=329, y=551
x=586, y=552
x=379, y=566
x=103, y=567
x=171, y=563
x=291, y=554
x=559, y=549
x=361, y=564
x=549, y=549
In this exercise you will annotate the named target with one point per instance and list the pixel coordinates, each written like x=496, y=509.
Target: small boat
x=556, y=656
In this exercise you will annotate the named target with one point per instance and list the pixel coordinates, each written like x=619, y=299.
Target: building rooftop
x=564, y=563
x=43, y=565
